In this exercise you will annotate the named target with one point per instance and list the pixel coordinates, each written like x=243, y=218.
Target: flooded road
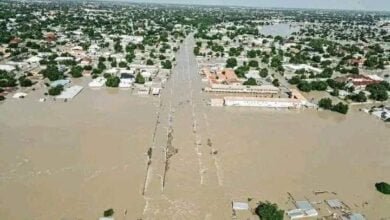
x=174, y=157
x=184, y=168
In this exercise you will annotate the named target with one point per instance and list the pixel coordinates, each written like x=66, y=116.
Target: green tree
x=52, y=73
x=276, y=83
x=139, y=79
x=264, y=72
x=294, y=80
x=319, y=85
x=25, y=82
x=76, y=71
x=101, y=66
x=122, y=64
x=167, y=64
x=325, y=103
x=149, y=62
x=269, y=211
x=341, y=108
x=54, y=91
x=360, y=97
x=231, y=62
x=354, y=70
x=241, y=71
x=113, y=81
x=250, y=82
x=383, y=187
x=276, y=61
x=378, y=92
x=251, y=54
x=108, y=213
x=304, y=86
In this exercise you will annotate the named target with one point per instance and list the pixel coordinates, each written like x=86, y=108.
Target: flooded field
x=174, y=157
x=74, y=160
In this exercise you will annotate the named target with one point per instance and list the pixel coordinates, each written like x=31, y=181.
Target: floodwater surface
x=175, y=157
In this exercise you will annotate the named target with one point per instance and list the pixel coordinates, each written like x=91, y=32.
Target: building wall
x=265, y=104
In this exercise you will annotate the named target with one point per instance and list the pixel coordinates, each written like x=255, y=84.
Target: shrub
x=108, y=213
x=250, y=82
x=76, y=71
x=264, y=72
x=54, y=91
x=231, y=62
x=269, y=211
x=139, y=79
x=340, y=108
x=113, y=81
x=383, y=187
x=304, y=86
x=325, y=103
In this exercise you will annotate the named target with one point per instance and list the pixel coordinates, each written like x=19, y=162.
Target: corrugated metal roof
x=334, y=203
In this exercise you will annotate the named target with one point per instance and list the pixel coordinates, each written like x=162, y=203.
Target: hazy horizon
x=367, y=5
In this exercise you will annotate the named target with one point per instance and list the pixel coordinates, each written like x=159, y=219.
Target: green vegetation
x=306, y=86
x=241, y=71
x=264, y=72
x=25, y=82
x=383, y=187
x=52, y=73
x=76, y=71
x=326, y=103
x=149, y=62
x=231, y=62
x=7, y=79
x=166, y=64
x=108, y=213
x=253, y=63
x=378, y=91
x=54, y=91
x=139, y=79
x=269, y=211
x=340, y=108
x=113, y=81
x=250, y=82
x=360, y=97
x=276, y=83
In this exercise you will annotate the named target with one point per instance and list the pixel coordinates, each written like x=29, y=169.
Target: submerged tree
x=383, y=187
x=108, y=213
x=269, y=211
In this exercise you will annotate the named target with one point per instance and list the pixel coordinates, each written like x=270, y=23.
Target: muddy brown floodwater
x=174, y=157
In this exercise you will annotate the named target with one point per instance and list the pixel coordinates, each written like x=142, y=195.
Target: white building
x=126, y=82
x=7, y=68
x=97, y=82
x=295, y=67
x=263, y=102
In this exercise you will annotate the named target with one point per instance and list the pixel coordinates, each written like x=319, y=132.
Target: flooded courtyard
x=175, y=157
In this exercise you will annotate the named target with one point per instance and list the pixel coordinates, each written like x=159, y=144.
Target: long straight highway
x=183, y=177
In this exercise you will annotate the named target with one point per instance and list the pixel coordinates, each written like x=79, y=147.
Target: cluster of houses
x=110, y=50
x=230, y=91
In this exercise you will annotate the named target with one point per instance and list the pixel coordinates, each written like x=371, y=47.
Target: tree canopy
x=269, y=211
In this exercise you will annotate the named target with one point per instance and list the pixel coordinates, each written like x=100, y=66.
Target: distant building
x=50, y=37
x=263, y=102
x=263, y=90
x=220, y=76
x=359, y=81
x=7, y=68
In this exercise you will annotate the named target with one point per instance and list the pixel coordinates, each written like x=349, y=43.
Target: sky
x=380, y=5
